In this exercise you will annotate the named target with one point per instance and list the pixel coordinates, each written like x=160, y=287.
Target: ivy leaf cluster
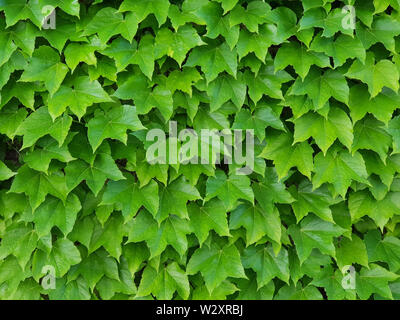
x=78, y=194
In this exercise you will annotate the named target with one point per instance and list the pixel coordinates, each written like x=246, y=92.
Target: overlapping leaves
x=320, y=92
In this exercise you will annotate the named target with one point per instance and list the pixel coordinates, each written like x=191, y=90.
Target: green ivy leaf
x=216, y=264
x=375, y=280
x=171, y=231
x=314, y=233
x=280, y=149
x=54, y=212
x=81, y=95
x=108, y=22
x=113, y=124
x=339, y=168
x=5, y=172
x=308, y=201
x=176, y=44
x=95, y=174
x=39, y=185
x=376, y=76
x=267, y=264
x=321, y=87
x=229, y=189
x=211, y=216
x=325, y=131
x=45, y=66
x=300, y=58
x=164, y=283
x=214, y=60
x=143, y=8
x=127, y=195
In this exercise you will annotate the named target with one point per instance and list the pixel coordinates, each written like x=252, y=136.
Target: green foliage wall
x=78, y=195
